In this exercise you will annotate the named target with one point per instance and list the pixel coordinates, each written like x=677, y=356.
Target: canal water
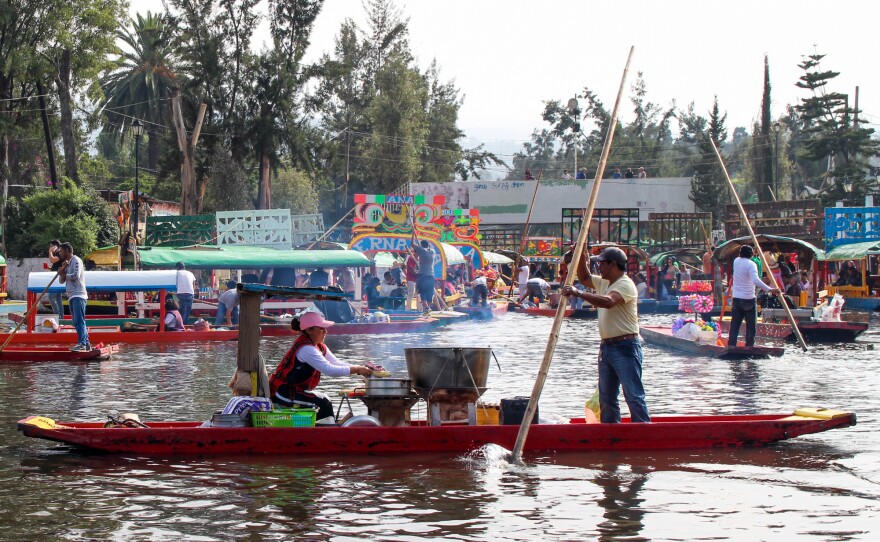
x=817, y=487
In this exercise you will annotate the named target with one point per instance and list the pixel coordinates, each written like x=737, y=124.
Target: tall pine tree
x=831, y=136
x=708, y=186
x=762, y=159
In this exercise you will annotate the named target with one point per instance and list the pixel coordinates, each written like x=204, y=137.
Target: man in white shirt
x=522, y=277
x=535, y=288
x=745, y=278
x=186, y=289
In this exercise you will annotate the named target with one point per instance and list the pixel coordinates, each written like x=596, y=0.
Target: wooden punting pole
x=745, y=218
x=569, y=279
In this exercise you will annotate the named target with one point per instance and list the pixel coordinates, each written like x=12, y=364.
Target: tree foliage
x=709, y=190
x=73, y=214
x=830, y=135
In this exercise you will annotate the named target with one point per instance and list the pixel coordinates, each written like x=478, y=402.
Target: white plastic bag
x=689, y=331
x=831, y=313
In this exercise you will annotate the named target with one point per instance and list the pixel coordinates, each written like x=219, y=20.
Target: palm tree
x=141, y=84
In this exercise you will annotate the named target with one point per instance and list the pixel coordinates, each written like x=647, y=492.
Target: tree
x=393, y=150
x=73, y=214
x=140, y=82
x=831, y=136
x=77, y=49
x=709, y=190
x=295, y=190
x=229, y=188
x=762, y=158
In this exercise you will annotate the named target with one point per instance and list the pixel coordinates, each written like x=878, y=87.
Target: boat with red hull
x=824, y=332
x=15, y=354
x=662, y=336
x=115, y=335
x=664, y=433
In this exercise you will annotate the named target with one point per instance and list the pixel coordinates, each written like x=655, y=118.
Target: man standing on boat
x=55, y=264
x=71, y=275
x=425, y=282
x=745, y=278
x=186, y=290
x=620, y=353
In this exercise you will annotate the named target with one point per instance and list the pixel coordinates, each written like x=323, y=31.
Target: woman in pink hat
x=299, y=373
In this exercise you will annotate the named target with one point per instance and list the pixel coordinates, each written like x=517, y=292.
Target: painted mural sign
x=396, y=213
x=542, y=249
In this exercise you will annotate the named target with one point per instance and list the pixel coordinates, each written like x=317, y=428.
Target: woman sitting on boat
x=173, y=319
x=299, y=372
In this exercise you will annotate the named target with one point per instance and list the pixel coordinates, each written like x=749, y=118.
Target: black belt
x=620, y=338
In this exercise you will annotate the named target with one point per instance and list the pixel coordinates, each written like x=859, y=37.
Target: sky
x=507, y=57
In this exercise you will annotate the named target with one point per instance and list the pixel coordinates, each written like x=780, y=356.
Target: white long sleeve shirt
x=745, y=278
x=327, y=366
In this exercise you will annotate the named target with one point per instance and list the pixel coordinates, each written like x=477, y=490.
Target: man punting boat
x=299, y=373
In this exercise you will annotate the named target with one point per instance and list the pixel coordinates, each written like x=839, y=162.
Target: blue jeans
x=57, y=304
x=620, y=364
x=78, y=313
x=221, y=315
x=186, y=305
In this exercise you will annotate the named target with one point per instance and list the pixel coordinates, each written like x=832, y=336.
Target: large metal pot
x=444, y=368
x=388, y=387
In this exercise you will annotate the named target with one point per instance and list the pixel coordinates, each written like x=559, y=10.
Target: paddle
x=516, y=454
x=754, y=237
x=28, y=313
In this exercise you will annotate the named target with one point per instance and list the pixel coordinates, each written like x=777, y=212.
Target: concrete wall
x=507, y=202
x=17, y=274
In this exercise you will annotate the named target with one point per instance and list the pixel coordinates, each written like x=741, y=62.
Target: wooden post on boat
x=745, y=218
x=569, y=279
x=249, y=340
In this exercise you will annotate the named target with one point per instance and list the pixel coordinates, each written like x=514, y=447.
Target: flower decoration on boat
x=696, y=303
x=695, y=286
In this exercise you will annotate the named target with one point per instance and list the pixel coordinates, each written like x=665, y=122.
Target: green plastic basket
x=285, y=417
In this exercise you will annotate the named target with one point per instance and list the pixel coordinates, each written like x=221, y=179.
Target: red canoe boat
x=662, y=336
x=825, y=332
x=673, y=432
x=14, y=354
x=112, y=334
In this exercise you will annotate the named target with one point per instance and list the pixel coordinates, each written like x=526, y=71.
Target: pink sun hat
x=313, y=319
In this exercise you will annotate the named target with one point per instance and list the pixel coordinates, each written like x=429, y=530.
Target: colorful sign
x=370, y=244
x=543, y=249
x=396, y=213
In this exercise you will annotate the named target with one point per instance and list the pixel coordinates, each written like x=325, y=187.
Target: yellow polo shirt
x=620, y=319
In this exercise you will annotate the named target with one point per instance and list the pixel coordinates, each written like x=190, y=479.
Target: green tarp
x=853, y=251
x=247, y=257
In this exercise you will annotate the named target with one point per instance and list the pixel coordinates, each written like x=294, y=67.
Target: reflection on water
x=821, y=486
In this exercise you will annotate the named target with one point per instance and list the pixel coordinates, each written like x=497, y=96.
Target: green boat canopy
x=247, y=257
x=853, y=251
x=729, y=250
x=2, y=260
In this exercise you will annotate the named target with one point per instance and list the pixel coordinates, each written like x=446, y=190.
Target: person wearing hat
x=745, y=278
x=620, y=352
x=294, y=380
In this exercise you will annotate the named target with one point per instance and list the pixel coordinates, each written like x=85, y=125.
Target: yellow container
x=487, y=414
